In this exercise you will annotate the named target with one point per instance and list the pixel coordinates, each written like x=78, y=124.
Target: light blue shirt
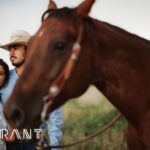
x=54, y=127
x=54, y=123
x=7, y=90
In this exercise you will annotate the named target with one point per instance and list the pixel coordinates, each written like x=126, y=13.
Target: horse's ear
x=84, y=8
x=52, y=5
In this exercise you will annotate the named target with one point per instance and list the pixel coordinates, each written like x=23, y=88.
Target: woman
x=4, y=73
x=4, y=76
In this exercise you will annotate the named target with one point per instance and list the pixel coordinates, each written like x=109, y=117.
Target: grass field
x=82, y=119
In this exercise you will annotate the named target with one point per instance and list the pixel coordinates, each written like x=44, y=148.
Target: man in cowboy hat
x=17, y=46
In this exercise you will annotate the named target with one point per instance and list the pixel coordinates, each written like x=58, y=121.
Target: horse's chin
x=33, y=124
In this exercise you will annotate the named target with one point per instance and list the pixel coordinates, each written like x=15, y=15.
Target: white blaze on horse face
x=40, y=34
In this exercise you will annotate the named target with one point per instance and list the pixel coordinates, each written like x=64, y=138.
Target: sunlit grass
x=82, y=119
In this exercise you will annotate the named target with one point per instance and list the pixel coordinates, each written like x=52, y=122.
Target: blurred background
x=88, y=114
x=131, y=15
x=92, y=111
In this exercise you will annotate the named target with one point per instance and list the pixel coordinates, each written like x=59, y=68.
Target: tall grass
x=81, y=120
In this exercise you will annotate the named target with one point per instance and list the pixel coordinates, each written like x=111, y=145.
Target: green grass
x=81, y=120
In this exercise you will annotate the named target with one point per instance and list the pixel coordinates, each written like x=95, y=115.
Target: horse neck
x=106, y=43
x=115, y=55
x=110, y=46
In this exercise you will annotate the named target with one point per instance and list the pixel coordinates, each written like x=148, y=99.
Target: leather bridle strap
x=57, y=86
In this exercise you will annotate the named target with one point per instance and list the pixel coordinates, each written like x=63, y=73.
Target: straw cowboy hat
x=17, y=37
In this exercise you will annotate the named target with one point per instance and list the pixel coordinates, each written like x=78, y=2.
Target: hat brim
x=6, y=46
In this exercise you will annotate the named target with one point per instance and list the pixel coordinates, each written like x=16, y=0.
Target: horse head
x=49, y=51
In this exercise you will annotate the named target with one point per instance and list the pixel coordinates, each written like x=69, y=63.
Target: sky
x=131, y=15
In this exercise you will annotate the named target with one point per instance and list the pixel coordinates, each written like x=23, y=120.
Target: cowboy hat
x=17, y=37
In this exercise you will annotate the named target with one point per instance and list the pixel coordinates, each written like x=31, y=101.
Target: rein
x=42, y=145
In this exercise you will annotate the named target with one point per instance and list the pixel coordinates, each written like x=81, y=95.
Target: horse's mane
x=67, y=13
x=126, y=33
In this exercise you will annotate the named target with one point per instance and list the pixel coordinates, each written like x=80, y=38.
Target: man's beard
x=18, y=64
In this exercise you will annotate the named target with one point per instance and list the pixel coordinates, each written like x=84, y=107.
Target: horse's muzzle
x=15, y=117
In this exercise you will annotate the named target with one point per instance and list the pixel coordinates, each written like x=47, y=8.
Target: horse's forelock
x=63, y=13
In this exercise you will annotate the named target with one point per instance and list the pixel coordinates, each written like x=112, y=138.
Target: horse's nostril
x=17, y=117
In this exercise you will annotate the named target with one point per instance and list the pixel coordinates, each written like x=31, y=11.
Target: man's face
x=17, y=54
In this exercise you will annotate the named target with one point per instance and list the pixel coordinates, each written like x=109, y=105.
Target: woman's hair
x=6, y=71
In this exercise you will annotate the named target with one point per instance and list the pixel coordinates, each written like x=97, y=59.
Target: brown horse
x=115, y=61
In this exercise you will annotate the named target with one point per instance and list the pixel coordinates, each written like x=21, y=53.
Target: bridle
x=57, y=86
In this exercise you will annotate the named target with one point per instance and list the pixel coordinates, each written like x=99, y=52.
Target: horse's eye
x=60, y=46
